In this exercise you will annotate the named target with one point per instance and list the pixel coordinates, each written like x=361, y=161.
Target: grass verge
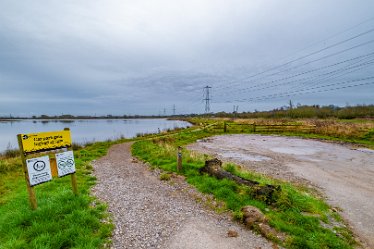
x=62, y=220
x=306, y=220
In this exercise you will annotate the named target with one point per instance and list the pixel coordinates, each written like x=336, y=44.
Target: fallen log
x=267, y=193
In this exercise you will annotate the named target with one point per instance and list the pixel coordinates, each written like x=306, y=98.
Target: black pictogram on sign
x=66, y=164
x=39, y=165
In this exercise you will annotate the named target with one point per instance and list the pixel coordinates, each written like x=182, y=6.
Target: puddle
x=365, y=150
x=204, y=140
x=244, y=157
x=294, y=150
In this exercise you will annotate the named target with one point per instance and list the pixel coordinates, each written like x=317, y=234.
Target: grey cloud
x=142, y=56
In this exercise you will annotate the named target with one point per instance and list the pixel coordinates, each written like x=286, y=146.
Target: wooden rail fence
x=260, y=128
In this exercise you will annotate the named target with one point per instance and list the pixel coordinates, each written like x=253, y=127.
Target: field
x=64, y=220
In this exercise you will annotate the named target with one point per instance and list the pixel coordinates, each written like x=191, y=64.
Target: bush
x=10, y=152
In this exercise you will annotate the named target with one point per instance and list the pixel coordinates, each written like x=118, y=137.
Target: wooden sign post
x=38, y=167
x=30, y=189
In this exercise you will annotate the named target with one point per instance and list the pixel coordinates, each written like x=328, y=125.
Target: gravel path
x=345, y=175
x=149, y=213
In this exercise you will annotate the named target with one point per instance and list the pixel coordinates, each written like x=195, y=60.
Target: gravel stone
x=150, y=213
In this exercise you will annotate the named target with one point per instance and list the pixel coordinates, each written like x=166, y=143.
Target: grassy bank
x=62, y=220
x=304, y=219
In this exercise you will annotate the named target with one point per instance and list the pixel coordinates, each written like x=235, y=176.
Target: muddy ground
x=345, y=175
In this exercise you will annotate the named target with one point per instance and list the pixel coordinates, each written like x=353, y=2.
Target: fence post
x=224, y=127
x=179, y=159
x=254, y=127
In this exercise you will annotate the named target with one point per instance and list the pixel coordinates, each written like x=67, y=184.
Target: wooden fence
x=260, y=128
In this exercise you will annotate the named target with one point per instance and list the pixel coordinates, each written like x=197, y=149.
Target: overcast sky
x=139, y=57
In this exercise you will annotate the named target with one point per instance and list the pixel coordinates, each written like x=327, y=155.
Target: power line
x=328, y=47
x=288, y=69
x=340, y=73
x=262, y=86
x=303, y=90
x=325, y=57
x=318, y=91
x=320, y=80
x=327, y=75
x=318, y=59
x=308, y=62
x=334, y=35
x=306, y=56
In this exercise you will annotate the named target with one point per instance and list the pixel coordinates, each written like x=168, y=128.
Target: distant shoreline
x=85, y=118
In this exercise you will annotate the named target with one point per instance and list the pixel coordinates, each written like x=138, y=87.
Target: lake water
x=85, y=130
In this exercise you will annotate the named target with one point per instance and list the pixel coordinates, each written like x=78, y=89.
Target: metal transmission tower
x=235, y=109
x=173, y=110
x=207, y=99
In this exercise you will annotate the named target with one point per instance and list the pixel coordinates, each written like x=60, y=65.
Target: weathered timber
x=267, y=193
x=214, y=168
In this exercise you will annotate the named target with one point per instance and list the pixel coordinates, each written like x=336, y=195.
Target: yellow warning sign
x=45, y=140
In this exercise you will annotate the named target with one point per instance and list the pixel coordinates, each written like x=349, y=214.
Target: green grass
x=62, y=220
x=287, y=214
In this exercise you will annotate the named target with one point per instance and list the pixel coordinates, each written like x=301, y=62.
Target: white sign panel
x=39, y=170
x=65, y=163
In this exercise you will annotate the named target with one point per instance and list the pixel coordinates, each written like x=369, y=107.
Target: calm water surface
x=85, y=130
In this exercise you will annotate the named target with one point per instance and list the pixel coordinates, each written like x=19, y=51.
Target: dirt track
x=345, y=175
x=150, y=213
